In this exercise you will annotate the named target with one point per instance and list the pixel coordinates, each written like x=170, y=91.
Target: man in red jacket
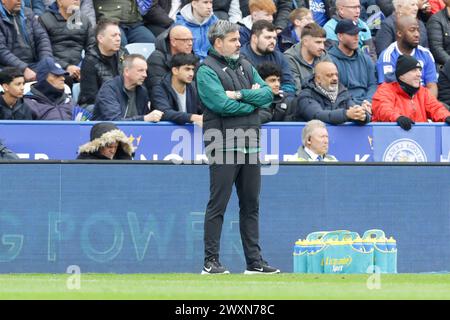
x=406, y=101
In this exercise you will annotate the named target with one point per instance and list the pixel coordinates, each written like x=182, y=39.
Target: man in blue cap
x=356, y=69
x=47, y=99
x=350, y=9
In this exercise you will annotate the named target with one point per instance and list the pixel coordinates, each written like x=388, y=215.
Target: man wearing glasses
x=350, y=9
x=177, y=39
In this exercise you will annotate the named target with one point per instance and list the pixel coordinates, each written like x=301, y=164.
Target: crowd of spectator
x=331, y=60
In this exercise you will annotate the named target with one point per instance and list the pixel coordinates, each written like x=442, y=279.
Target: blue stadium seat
x=141, y=48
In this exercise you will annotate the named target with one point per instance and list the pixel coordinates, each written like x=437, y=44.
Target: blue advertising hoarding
x=445, y=154
x=59, y=140
x=143, y=217
x=420, y=144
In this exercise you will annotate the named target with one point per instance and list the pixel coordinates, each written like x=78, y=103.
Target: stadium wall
x=142, y=217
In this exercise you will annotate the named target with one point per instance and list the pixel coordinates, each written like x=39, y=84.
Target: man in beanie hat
x=408, y=39
x=406, y=101
x=47, y=99
x=107, y=143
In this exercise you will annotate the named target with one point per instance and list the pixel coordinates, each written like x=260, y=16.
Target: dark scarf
x=410, y=90
x=49, y=91
x=332, y=95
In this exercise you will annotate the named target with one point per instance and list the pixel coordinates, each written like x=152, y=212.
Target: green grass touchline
x=197, y=287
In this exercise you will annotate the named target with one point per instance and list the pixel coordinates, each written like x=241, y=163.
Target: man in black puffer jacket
x=444, y=85
x=70, y=33
x=438, y=27
x=102, y=62
x=23, y=40
x=177, y=39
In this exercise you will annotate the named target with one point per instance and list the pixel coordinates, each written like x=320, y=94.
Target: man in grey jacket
x=306, y=54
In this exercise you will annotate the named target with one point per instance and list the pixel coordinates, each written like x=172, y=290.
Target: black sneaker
x=214, y=267
x=261, y=268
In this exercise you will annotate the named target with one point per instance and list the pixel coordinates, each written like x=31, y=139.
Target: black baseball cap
x=348, y=26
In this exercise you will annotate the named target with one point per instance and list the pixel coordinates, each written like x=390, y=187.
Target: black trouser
x=247, y=178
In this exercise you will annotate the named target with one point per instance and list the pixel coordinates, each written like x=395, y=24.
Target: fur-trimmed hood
x=124, y=151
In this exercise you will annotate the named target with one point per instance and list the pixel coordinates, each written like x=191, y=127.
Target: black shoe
x=214, y=267
x=261, y=268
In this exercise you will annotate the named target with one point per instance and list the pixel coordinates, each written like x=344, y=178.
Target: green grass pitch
x=229, y=287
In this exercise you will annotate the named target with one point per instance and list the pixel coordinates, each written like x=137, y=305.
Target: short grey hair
x=220, y=29
x=129, y=60
x=309, y=128
x=399, y=3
